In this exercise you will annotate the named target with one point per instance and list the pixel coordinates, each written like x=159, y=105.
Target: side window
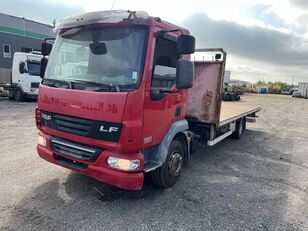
x=164, y=76
x=6, y=51
x=165, y=58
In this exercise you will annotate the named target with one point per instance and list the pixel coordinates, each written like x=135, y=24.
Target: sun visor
x=110, y=16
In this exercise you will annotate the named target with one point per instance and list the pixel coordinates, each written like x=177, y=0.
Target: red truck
x=120, y=97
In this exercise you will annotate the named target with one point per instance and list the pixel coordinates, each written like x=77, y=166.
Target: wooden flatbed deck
x=231, y=111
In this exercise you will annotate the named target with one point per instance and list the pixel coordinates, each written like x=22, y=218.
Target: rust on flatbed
x=205, y=95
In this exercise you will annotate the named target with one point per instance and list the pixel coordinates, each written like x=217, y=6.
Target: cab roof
x=109, y=16
x=115, y=16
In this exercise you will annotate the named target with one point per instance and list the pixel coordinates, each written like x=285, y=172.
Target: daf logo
x=109, y=130
x=46, y=117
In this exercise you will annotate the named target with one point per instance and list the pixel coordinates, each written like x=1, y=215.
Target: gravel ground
x=259, y=182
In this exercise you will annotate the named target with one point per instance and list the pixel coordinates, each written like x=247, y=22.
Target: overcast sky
x=264, y=39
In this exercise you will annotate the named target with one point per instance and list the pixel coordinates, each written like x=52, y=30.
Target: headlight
x=41, y=141
x=123, y=164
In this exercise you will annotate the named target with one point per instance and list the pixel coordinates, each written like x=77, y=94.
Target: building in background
x=19, y=35
x=240, y=83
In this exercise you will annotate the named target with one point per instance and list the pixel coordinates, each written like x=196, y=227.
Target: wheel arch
x=158, y=153
x=183, y=137
x=18, y=85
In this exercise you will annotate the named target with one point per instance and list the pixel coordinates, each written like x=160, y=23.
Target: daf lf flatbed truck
x=120, y=97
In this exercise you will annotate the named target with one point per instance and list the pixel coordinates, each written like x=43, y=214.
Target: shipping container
x=303, y=89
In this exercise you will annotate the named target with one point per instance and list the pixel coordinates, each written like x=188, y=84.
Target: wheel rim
x=175, y=163
x=17, y=94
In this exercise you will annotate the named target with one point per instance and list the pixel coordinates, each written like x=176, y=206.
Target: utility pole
x=113, y=4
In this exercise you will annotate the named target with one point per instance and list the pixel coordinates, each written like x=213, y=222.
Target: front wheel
x=167, y=175
x=18, y=95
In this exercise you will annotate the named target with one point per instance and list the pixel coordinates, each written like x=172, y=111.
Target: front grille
x=74, y=149
x=95, y=129
x=72, y=125
x=35, y=85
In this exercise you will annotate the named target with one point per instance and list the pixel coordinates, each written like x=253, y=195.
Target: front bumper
x=97, y=169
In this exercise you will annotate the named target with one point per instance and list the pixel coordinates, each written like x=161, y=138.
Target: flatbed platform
x=232, y=111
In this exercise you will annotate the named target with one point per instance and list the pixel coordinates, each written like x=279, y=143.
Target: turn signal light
x=38, y=118
x=41, y=141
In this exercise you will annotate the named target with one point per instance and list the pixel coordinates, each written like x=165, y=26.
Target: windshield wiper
x=99, y=86
x=57, y=83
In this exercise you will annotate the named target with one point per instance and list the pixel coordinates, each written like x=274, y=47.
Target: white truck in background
x=25, y=78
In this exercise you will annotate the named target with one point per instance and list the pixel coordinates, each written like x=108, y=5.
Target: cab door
x=163, y=104
x=17, y=77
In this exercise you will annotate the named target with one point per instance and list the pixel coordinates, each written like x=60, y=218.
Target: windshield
x=286, y=88
x=106, y=56
x=34, y=68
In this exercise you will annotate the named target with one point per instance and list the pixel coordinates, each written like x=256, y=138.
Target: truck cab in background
x=25, y=78
x=287, y=90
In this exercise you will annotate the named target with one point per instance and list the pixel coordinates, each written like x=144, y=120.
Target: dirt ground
x=259, y=182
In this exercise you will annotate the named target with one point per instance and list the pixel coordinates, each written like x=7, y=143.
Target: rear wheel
x=18, y=95
x=232, y=97
x=226, y=96
x=167, y=175
x=239, y=129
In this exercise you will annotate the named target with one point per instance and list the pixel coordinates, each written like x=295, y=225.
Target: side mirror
x=186, y=44
x=46, y=48
x=22, y=68
x=185, y=72
x=98, y=48
x=44, y=62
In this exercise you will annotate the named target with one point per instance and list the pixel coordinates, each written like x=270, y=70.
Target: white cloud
x=278, y=58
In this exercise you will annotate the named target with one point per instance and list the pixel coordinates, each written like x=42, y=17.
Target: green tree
x=261, y=83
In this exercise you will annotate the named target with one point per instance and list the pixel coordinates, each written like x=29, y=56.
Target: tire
x=239, y=129
x=167, y=175
x=11, y=95
x=226, y=96
x=18, y=94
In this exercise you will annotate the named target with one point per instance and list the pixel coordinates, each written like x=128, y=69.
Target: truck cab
x=287, y=90
x=25, y=76
x=113, y=97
